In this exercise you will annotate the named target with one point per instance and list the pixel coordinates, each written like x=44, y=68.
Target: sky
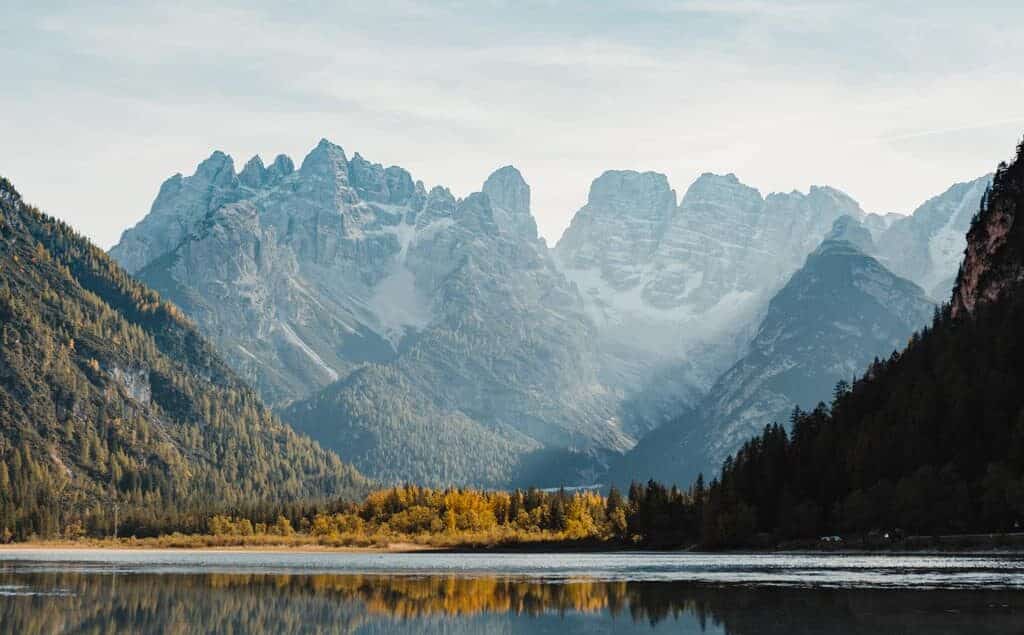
x=888, y=101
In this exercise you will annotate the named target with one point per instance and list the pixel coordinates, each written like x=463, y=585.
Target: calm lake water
x=57, y=591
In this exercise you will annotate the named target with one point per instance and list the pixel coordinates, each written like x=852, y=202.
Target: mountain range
x=832, y=318
x=929, y=439
x=421, y=336
x=435, y=339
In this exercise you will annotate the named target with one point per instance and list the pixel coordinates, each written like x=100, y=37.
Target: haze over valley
x=491, y=359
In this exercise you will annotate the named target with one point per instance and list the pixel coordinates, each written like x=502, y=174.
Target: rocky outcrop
x=994, y=261
x=510, y=198
x=928, y=246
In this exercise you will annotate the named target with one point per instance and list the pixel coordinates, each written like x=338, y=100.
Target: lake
x=100, y=591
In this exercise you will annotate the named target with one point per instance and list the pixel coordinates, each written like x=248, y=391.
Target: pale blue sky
x=890, y=102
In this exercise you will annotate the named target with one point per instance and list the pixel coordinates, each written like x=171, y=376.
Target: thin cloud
x=950, y=130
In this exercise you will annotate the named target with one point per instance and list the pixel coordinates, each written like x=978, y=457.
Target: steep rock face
x=181, y=204
x=108, y=394
x=834, y=315
x=350, y=277
x=617, y=232
x=994, y=261
x=927, y=246
x=677, y=291
x=297, y=281
x=510, y=198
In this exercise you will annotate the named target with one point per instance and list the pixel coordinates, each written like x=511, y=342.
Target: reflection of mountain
x=260, y=603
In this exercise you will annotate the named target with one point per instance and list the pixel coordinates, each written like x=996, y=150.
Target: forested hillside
x=110, y=399
x=930, y=440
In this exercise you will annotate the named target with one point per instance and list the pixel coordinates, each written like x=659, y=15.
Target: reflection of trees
x=225, y=603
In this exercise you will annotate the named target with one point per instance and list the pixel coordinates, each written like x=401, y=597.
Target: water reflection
x=96, y=602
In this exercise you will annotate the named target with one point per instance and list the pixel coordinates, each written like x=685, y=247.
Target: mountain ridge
x=351, y=279
x=326, y=282
x=836, y=313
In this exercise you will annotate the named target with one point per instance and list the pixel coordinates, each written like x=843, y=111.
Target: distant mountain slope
x=109, y=395
x=423, y=337
x=343, y=278
x=836, y=314
x=676, y=291
x=930, y=440
x=928, y=245
x=503, y=372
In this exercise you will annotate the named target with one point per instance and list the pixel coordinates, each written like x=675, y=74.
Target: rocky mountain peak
x=369, y=180
x=644, y=195
x=928, y=246
x=326, y=159
x=849, y=229
x=281, y=167
x=719, y=189
x=508, y=190
x=181, y=203
x=400, y=186
x=510, y=197
x=254, y=174
x=219, y=167
x=618, y=230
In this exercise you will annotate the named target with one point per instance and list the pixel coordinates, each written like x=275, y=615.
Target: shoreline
x=402, y=547
x=397, y=547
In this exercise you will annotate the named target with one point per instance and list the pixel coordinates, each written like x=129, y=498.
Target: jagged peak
x=326, y=157
x=708, y=183
x=849, y=229
x=632, y=175
x=441, y=192
x=508, y=190
x=632, y=186
x=837, y=195
x=730, y=178
x=282, y=166
x=961, y=187
x=324, y=149
x=326, y=143
x=254, y=173
x=216, y=165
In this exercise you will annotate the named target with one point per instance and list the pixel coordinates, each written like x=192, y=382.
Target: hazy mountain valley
x=439, y=340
